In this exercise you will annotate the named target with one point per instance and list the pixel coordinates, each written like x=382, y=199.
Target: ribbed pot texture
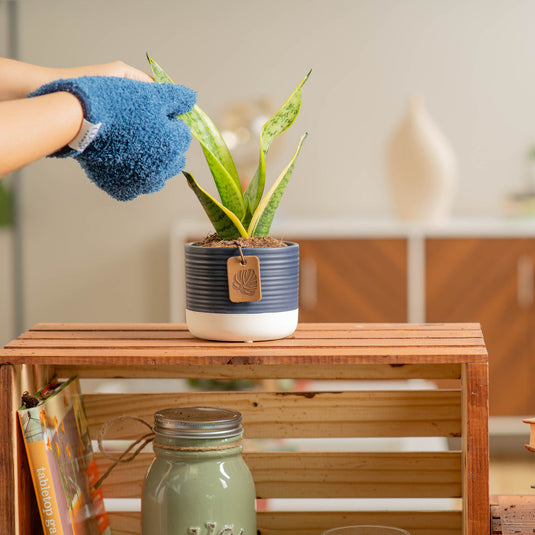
x=207, y=283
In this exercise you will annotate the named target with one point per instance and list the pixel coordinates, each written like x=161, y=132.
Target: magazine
x=61, y=460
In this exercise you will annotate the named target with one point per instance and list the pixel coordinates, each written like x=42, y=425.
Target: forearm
x=36, y=127
x=17, y=78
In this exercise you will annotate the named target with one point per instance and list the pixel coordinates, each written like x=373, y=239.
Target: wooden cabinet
x=353, y=280
x=466, y=279
x=490, y=281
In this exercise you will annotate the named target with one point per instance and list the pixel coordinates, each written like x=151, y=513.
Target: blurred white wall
x=90, y=258
x=7, y=323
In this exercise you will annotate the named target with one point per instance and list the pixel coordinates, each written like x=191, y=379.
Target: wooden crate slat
x=257, y=355
x=322, y=475
x=323, y=353
x=59, y=327
x=125, y=523
x=316, y=328
x=175, y=335
x=321, y=414
x=371, y=344
x=332, y=372
x=182, y=336
x=356, y=475
x=313, y=523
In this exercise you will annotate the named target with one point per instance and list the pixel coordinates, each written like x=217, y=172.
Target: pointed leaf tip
x=260, y=223
x=281, y=120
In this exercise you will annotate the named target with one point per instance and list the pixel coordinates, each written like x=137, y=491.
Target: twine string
x=237, y=244
x=140, y=443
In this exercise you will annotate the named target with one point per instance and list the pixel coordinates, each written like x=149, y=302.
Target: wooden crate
x=375, y=354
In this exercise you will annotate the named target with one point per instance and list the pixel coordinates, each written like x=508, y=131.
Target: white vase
x=422, y=168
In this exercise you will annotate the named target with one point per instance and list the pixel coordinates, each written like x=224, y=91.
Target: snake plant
x=238, y=213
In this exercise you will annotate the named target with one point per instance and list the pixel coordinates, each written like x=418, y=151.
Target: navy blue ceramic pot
x=210, y=314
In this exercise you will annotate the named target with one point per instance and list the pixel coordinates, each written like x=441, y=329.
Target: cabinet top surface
x=311, y=344
x=329, y=228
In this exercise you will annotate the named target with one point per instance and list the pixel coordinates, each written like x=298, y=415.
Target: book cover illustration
x=61, y=460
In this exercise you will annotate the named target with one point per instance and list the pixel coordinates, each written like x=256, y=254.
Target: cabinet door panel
x=476, y=280
x=353, y=280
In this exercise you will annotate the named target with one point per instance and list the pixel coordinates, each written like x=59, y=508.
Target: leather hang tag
x=244, y=279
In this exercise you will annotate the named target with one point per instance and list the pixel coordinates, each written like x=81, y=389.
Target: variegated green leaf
x=229, y=191
x=226, y=224
x=214, y=148
x=211, y=139
x=158, y=73
x=276, y=125
x=263, y=216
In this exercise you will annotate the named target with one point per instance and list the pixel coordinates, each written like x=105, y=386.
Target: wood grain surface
x=331, y=352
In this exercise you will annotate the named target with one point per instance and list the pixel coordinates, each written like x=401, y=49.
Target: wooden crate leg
x=475, y=452
x=18, y=507
x=7, y=450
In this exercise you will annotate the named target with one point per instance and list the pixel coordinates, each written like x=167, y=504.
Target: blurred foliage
x=6, y=205
x=222, y=384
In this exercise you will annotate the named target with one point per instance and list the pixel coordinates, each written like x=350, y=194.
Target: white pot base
x=242, y=327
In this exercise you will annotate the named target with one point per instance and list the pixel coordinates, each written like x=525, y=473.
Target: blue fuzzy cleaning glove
x=130, y=142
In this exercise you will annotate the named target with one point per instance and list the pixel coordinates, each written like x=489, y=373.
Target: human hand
x=131, y=141
x=115, y=68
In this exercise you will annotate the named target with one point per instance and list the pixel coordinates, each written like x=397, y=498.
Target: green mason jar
x=198, y=483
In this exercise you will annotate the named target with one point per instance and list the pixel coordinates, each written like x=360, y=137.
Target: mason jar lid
x=198, y=422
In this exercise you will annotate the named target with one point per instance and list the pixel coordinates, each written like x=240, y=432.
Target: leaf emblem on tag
x=244, y=279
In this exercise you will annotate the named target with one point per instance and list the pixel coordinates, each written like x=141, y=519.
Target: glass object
x=366, y=530
x=198, y=483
